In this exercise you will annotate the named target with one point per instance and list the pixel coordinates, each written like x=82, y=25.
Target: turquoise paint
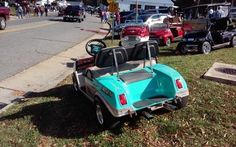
x=161, y=85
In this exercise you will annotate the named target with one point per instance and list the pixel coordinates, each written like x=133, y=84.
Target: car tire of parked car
x=104, y=117
x=181, y=49
x=2, y=23
x=79, y=21
x=64, y=19
x=120, y=44
x=205, y=48
x=180, y=103
x=233, y=41
x=82, y=19
x=168, y=42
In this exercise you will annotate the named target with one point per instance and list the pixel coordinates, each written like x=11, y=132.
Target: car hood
x=198, y=34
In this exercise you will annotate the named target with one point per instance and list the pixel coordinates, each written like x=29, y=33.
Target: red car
x=165, y=35
x=134, y=34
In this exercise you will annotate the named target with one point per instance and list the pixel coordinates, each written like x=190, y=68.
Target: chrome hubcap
x=206, y=48
x=234, y=42
x=168, y=42
x=99, y=114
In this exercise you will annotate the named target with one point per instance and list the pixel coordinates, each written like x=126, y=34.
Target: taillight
x=144, y=32
x=179, y=83
x=123, y=100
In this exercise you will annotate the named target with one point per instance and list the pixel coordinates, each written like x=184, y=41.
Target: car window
x=233, y=10
x=144, y=17
x=155, y=16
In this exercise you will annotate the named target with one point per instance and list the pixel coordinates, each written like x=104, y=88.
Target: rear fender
x=167, y=77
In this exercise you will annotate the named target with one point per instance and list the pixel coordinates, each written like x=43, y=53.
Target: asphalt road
x=27, y=42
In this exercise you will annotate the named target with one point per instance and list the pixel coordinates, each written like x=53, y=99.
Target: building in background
x=126, y=5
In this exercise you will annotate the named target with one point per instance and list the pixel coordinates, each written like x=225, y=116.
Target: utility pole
x=136, y=11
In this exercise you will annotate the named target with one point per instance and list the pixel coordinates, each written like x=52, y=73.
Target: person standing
x=117, y=14
x=20, y=12
x=46, y=10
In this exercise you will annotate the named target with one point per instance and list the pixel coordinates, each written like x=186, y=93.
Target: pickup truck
x=73, y=12
x=4, y=16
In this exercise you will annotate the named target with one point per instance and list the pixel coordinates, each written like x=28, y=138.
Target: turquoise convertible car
x=123, y=81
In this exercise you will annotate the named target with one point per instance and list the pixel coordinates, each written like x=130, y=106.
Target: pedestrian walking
x=20, y=12
x=117, y=15
x=107, y=16
x=46, y=11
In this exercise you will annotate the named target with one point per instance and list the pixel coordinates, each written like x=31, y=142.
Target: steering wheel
x=94, y=46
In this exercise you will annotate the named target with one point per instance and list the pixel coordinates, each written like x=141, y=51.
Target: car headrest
x=140, y=50
x=105, y=57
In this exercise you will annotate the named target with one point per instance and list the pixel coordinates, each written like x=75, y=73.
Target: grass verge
x=59, y=117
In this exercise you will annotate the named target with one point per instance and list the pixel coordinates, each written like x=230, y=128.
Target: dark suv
x=72, y=13
x=4, y=16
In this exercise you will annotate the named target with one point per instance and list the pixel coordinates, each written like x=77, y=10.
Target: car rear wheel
x=233, y=42
x=168, y=42
x=2, y=23
x=79, y=20
x=181, y=49
x=104, y=117
x=181, y=102
x=206, y=47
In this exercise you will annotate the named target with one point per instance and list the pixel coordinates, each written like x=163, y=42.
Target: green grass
x=58, y=117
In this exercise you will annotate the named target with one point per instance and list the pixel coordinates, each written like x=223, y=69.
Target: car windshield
x=139, y=21
x=73, y=8
x=144, y=17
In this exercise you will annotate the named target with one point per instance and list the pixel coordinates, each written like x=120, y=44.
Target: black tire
x=2, y=23
x=120, y=43
x=233, y=41
x=180, y=47
x=82, y=19
x=94, y=42
x=79, y=20
x=64, y=19
x=104, y=117
x=181, y=103
x=205, y=48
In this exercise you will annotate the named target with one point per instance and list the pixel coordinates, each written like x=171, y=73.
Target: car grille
x=132, y=38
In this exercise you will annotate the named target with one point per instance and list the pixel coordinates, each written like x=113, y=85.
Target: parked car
x=4, y=16
x=133, y=34
x=121, y=82
x=150, y=19
x=219, y=34
x=165, y=34
x=118, y=28
x=73, y=12
x=162, y=34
